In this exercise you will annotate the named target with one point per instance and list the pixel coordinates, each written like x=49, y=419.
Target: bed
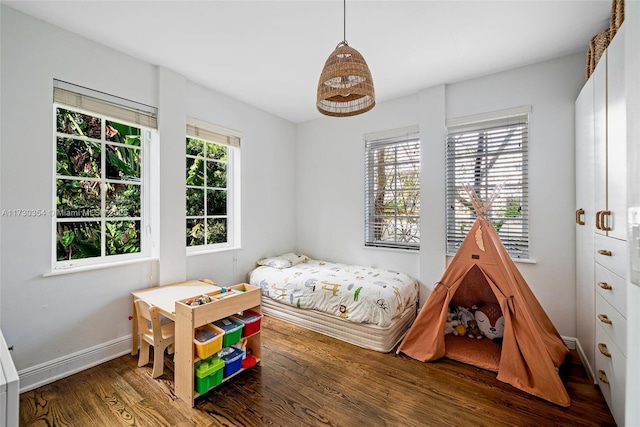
x=369, y=307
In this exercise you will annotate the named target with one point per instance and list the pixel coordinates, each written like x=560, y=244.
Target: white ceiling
x=269, y=54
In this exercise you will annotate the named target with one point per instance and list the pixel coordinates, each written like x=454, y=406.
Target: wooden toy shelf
x=188, y=318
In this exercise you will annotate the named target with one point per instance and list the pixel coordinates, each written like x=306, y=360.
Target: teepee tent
x=531, y=350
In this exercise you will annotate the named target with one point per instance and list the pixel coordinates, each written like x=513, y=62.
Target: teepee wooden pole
x=473, y=197
x=482, y=209
x=496, y=191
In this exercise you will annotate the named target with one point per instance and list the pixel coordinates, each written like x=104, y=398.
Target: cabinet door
x=585, y=305
x=599, y=78
x=616, y=138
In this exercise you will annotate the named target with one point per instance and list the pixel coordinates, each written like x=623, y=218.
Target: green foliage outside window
x=92, y=156
x=206, y=195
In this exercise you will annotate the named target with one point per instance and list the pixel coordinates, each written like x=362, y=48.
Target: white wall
x=1, y=9
x=433, y=220
x=330, y=158
x=59, y=324
x=169, y=187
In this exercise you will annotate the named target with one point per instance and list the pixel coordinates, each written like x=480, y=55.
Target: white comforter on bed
x=355, y=293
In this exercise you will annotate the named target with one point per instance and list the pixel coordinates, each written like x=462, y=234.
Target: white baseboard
x=570, y=342
x=53, y=370
x=573, y=344
x=585, y=363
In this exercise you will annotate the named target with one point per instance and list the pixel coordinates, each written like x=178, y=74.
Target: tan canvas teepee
x=531, y=350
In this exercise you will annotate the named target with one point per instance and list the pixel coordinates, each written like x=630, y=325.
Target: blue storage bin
x=232, y=358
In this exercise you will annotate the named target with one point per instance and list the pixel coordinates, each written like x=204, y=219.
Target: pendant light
x=345, y=87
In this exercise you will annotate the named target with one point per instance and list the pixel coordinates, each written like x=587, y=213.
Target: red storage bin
x=251, y=321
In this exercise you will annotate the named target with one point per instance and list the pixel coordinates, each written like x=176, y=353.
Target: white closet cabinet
x=610, y=141
x=599, y=190
x=611, y=321
x=585, y=214
x=616, y=140
x=601, y=225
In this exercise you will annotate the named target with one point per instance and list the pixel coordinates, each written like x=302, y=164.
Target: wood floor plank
x=308, y=379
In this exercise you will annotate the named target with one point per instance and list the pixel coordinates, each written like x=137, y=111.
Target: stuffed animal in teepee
x=464, y=316
x=451, y=323
x=490, y=320
x=473, y=331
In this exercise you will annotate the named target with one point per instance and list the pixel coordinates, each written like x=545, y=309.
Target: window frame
x=147, y=135
x=511, y=206
x=391, y=138
x=210, y=133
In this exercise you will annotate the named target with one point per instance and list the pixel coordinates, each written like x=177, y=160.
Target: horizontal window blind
x=108, y=105
x=392, y=190
x=211, y=135
x=486, y=154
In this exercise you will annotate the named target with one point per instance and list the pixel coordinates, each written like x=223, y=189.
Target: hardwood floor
x=308, y=379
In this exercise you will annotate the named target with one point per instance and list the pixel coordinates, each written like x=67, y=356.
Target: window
x=212, y=180
x=392, y=189
x=486, y=153
x=101, y=203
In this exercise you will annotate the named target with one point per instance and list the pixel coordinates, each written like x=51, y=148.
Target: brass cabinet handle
x=603, y=221
x=598, y=215
x=605, y=286
x=604, y=252
x=604, y=319
x=579, y=214
x=603, y=349
x=602, y=376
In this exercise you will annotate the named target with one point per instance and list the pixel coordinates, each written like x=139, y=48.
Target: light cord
x=344, y=20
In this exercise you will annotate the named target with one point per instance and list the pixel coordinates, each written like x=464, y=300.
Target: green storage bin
x=208, y=373
x=232, y=330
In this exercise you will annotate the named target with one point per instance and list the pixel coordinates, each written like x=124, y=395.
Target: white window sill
x=81, y=268
x=398, y=250
x=205, y=251
x=524, y=260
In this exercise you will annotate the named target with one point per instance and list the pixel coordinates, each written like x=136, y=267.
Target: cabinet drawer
x=611, y=253
x=612, y=288
x=610, y=374
x=617, y=329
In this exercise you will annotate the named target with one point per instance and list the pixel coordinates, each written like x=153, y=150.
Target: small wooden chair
x=161, y=337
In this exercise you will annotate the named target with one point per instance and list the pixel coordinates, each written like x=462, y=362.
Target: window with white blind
x=392, y=189
x=101, y=199
x=213, y=187
x=486, y=151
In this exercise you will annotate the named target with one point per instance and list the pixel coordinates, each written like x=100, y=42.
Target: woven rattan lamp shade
x=345, y=87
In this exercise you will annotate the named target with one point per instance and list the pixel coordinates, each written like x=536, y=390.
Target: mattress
x=366, y=306
x=353, y=293
x=366, y=335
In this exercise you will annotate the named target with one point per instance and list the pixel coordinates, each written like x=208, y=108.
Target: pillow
x=283, y=261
